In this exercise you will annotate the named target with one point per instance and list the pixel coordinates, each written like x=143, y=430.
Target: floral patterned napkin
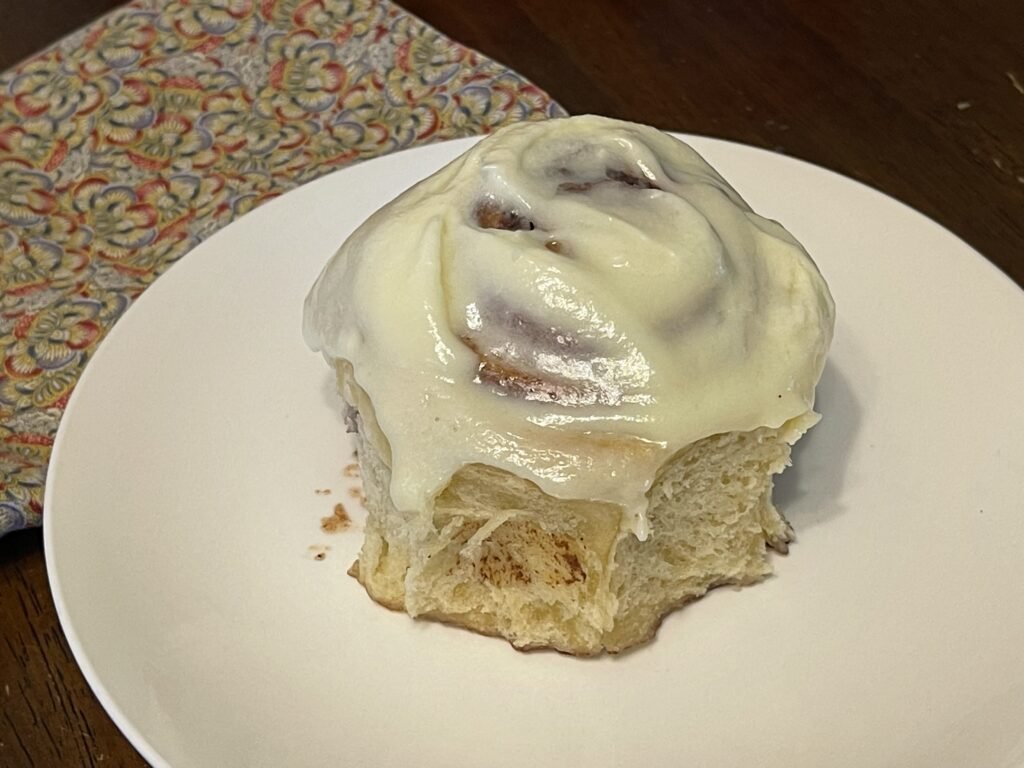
x=133, y=139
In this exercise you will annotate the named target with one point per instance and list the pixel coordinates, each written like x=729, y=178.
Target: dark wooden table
x=923, y=99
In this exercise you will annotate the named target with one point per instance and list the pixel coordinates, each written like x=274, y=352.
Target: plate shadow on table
x=809, y=492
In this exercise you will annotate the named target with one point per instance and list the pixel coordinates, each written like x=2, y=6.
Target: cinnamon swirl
x=575, y=358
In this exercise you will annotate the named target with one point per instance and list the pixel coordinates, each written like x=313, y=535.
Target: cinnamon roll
x=574, y=358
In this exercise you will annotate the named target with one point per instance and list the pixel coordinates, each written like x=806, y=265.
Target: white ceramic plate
x=181, y=509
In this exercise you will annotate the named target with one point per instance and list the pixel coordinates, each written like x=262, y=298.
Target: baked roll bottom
x=497, y=555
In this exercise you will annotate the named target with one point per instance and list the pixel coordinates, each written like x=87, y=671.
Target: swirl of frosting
x=573, y=301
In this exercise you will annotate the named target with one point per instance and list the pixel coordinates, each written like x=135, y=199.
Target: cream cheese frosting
x=573, y=301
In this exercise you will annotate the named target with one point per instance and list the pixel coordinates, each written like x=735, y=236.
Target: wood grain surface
x=922, y=99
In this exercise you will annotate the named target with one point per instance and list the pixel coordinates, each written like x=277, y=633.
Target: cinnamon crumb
x=351, y=470
x=357, y=494
x=322, y=491
x=336, y=522
x=319, y=551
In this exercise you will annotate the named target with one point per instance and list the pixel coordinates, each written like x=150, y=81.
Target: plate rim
x=446, y=150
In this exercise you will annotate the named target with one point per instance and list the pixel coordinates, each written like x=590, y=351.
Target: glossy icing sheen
x=573, y=301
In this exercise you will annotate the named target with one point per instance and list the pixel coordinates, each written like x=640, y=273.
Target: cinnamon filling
x=490, y=215
x=496, y=373
x=617, y=177
x=500, y=373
